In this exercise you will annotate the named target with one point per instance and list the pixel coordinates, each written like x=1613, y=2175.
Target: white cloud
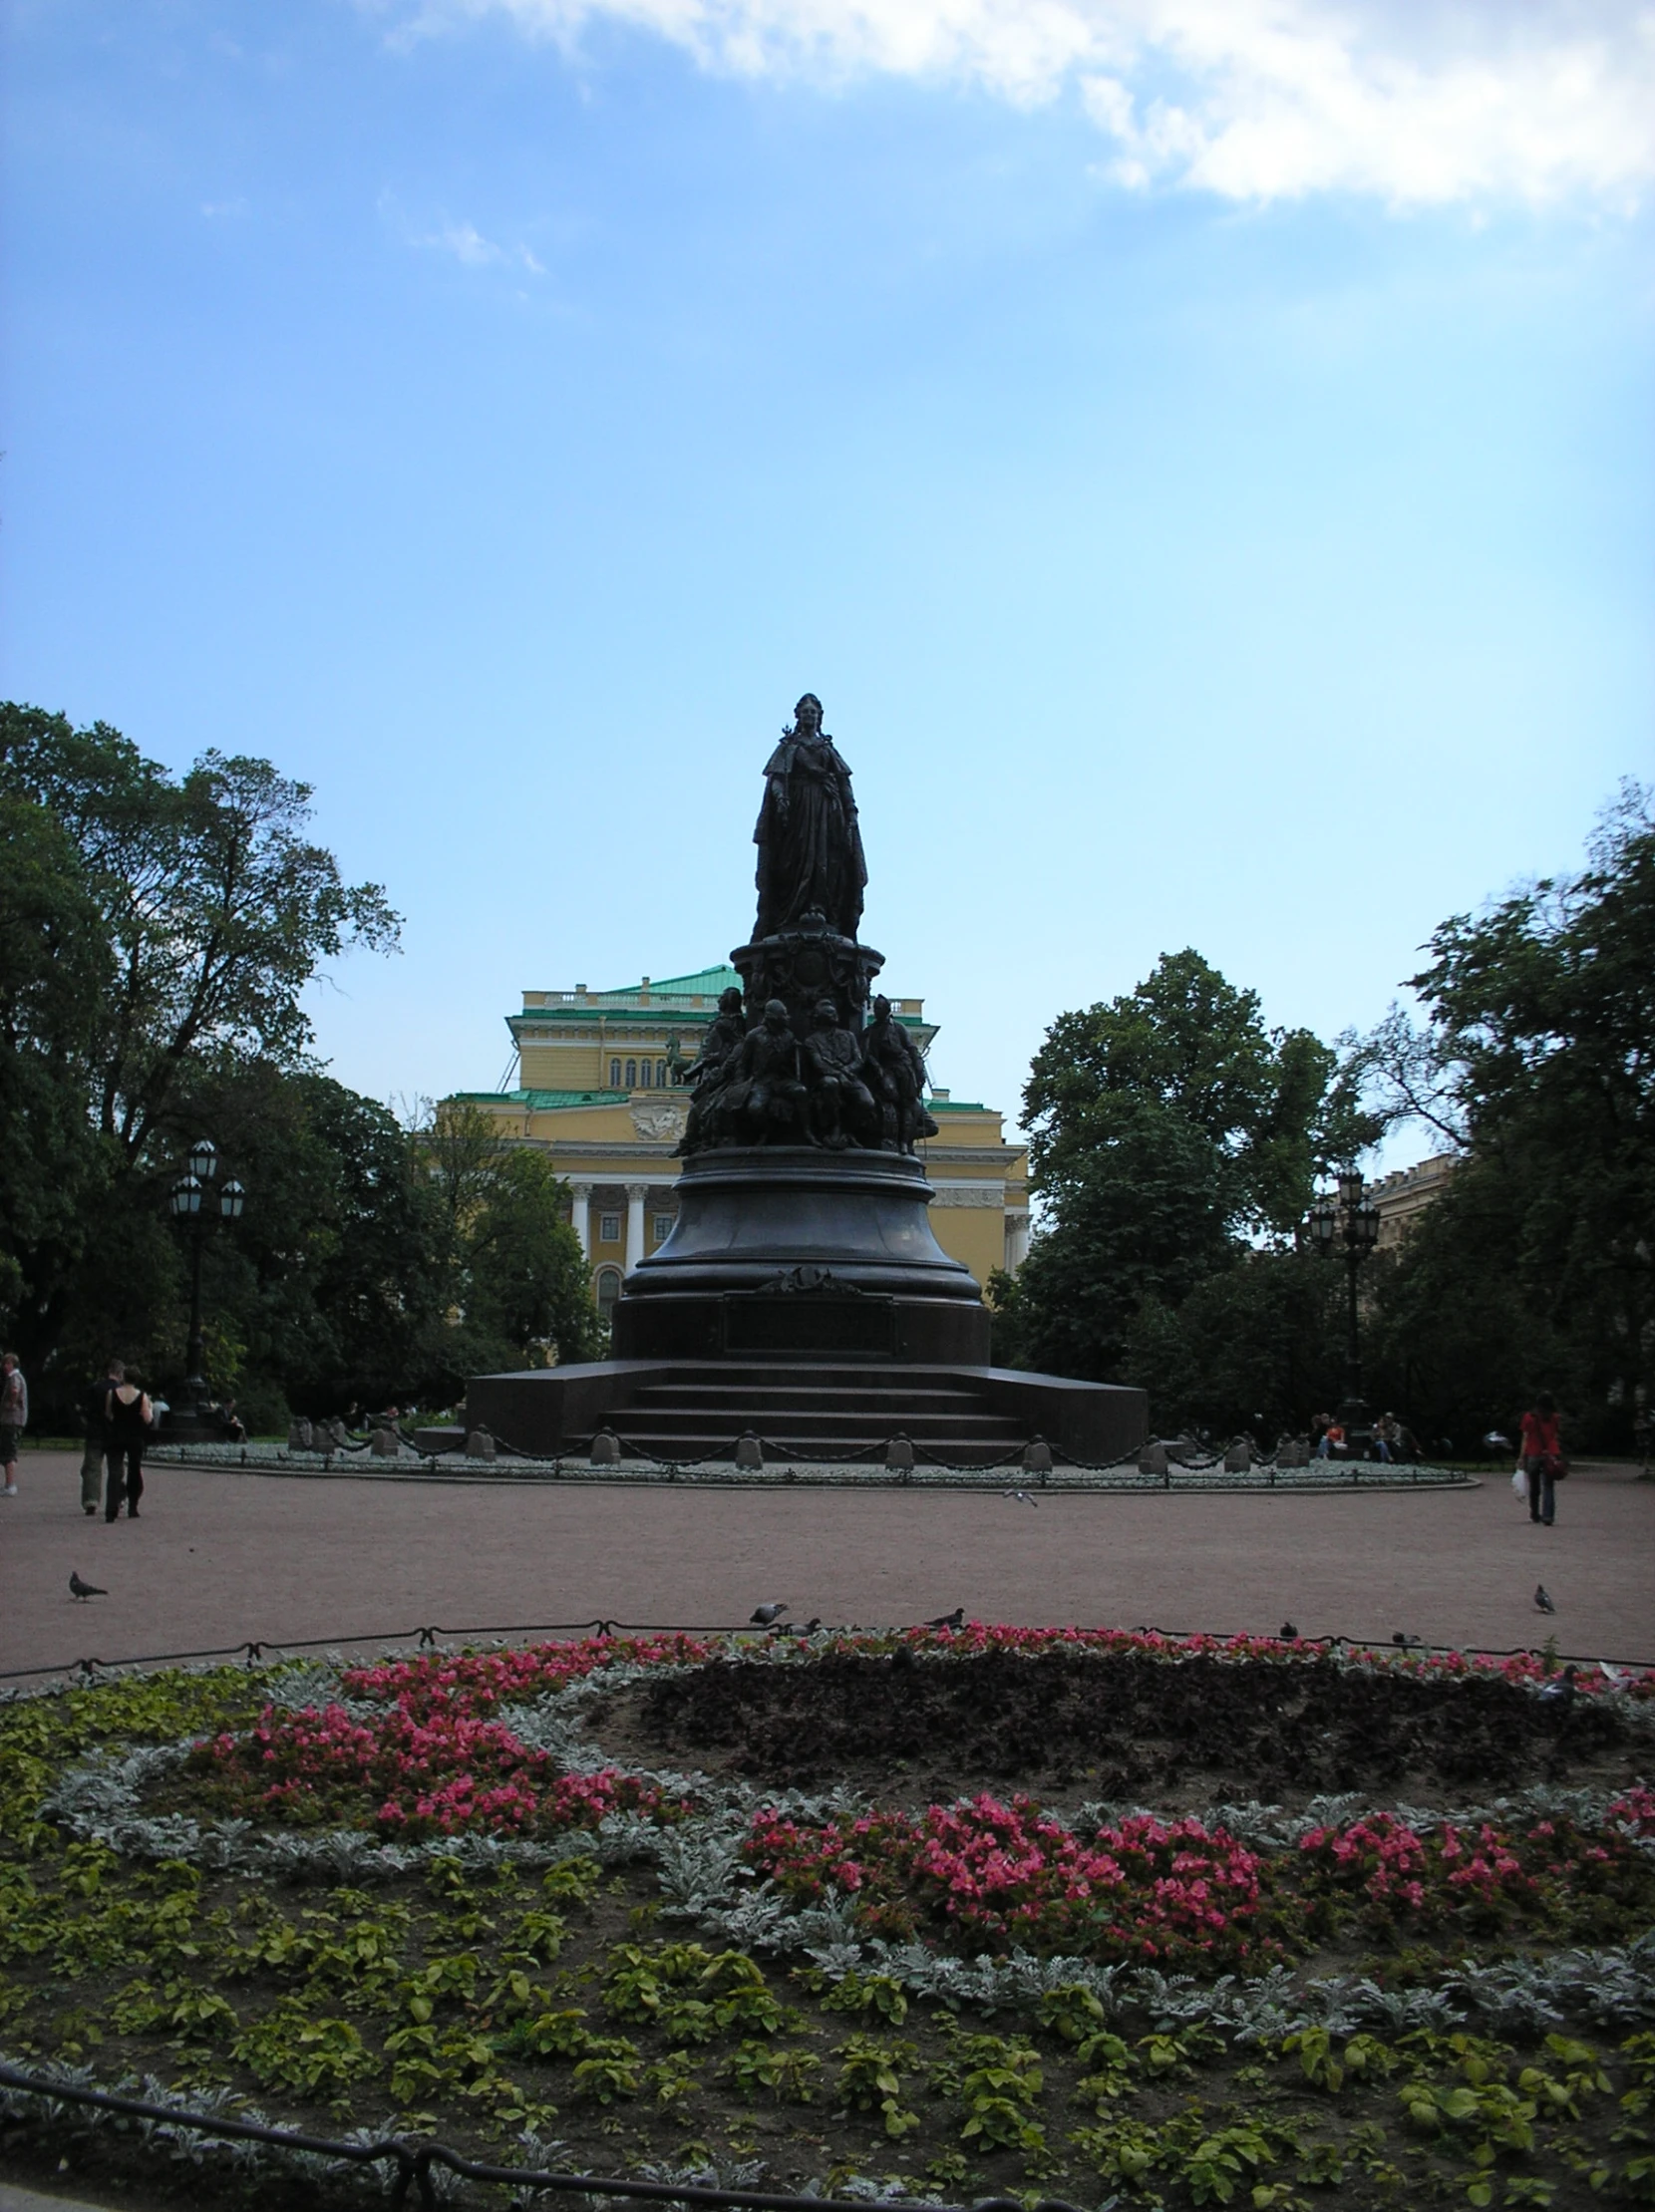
x=467, y=244
x=1417, y=102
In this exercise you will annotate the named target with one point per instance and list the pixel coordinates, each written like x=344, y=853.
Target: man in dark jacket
x=97, y=1442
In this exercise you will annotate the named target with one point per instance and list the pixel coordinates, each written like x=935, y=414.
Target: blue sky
x=1201, y=455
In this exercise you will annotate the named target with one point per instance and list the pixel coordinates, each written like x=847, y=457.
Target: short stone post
x=900, y=1453
x=383, y=1444
x=480, y=1445
x=606, y=1448
x=1238, y=1459
x=1153, y=1458
x=299, y=1437
x=749, y=1452
x=1037, y=1457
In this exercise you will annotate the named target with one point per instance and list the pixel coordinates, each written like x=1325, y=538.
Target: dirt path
x=216, y=1558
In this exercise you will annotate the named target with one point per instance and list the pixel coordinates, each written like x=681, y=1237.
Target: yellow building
x=596, y=1093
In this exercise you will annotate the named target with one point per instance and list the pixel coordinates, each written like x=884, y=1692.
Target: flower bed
x=983, y=1876
x=455, y=1894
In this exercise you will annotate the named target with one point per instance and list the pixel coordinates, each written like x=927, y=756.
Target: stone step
x=971, y=1448
x=729, y=1416
x=803, y=1397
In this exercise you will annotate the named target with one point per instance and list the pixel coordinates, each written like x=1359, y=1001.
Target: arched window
x=632, y=1074
x=608, y=1290
x=646, y=1075
x=660, y=1075
x=614, y=1074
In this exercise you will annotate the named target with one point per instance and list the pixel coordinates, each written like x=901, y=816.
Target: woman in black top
x=126, y=1417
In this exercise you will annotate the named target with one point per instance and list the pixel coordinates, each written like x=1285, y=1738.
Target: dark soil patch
x=1115, y=1727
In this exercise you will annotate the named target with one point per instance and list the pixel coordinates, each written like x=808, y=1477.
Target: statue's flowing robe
x=810, y=847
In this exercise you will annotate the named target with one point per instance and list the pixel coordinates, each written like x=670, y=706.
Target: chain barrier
x=433, y=1636
x=777, y=1450
x=415, y=2161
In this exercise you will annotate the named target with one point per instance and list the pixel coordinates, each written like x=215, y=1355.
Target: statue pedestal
x=803, y=1300
x=783, y=1251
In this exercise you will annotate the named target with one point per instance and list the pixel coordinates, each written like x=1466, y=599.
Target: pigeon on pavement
x=1406, y=1642
x=84, y=1589
x=763, y=1616
x=1289, y=1634
x=1560, y=1690
x=956, y=1619
x=812, y=1625
x=1022, y=1496
x=1542, y=1598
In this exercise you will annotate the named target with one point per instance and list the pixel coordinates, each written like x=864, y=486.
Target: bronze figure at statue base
x=801, y=1295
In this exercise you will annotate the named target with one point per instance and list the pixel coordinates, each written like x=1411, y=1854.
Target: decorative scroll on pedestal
x=794, y=1058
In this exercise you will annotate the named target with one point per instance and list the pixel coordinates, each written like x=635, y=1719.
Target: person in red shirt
x=1543, y=1458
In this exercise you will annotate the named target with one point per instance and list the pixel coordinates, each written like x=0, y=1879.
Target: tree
x=1535, y=1063
x=1170, y=1130
x=54, y=971
x=154, y=932
x=215, y=908
x=514, y=1289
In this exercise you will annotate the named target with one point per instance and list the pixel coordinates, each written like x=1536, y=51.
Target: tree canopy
x=1534, y=1065
x=1171, y=1133
x=157, y=935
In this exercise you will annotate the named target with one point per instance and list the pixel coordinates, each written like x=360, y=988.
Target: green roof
x=540, y=1100
x=956, y=1105
x=706, y=983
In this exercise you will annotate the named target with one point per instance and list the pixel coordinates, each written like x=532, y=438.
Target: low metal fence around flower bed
x=1176, y=1465
x=927, y=1914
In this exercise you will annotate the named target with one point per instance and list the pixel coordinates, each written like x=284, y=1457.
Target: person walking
x=14, y=1419
x=1543, y=1459
x=126, y=1417
x=97, y=1442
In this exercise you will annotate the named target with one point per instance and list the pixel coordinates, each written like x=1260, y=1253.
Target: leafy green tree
x=1170, y=1131
x=156, y=935
x=515, y=1288
x=54, y=970
x=215, y=908
x=1535, y=1065
x=1256, y=1346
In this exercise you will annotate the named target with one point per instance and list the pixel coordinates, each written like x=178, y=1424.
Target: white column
x=1017, y=1240
x=580, y=1218
x=636, y=1193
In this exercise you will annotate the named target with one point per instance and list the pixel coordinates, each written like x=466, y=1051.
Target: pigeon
x=1560, y=1690
x=83, y=1590
x=1406, y=1642
x=1542, y=1598
x=1289, y=1634
x=956, y=1619
x=766, y=1616
x=812, y=1625
x=1022, y=1497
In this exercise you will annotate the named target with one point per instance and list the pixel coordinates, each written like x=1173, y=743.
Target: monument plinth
x=802, y=1294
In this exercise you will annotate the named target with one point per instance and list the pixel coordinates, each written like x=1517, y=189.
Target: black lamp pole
x=187, y=1203
x=1353, y=1221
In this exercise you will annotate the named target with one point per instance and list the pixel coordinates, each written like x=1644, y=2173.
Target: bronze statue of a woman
x=810, y=847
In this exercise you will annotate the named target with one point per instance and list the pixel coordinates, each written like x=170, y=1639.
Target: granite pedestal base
x=803, y=1297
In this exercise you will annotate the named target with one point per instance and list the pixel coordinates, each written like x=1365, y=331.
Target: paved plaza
x=217, y=1558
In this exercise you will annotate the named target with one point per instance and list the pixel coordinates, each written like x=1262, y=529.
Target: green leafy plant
x=1000, y=2084
x=870, y=2079
x=780, y=2071
x=868, y=1992
x=288, y=2050
x=608, y=2070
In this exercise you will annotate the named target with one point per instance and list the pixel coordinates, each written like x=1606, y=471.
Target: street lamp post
x=189, y=1204
x=1352, y=1220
